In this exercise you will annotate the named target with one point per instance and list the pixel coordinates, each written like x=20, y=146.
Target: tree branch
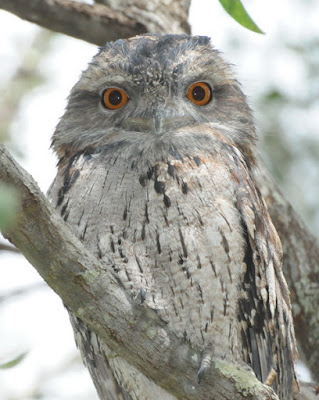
x=93, y=23
x=98, y=23
x=7, y=247
x=130, y=329
x=22, y=291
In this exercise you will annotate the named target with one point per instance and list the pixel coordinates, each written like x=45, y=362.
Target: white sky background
x=37, y=322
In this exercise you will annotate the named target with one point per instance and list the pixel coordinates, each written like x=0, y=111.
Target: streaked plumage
x=165, y=187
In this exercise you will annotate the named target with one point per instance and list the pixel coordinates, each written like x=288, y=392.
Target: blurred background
x=279, y=72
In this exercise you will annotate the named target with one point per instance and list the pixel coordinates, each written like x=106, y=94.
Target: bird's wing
x=264, y=308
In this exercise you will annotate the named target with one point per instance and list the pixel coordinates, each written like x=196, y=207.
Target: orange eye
x=199, y=93
x=114, y=98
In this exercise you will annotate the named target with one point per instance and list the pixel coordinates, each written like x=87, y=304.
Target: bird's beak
x=158, y=122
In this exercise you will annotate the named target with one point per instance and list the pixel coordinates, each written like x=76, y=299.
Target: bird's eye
x=199, y=93
x=114, y=98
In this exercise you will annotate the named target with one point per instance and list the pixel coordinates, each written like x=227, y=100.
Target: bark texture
x=134, y=331
x=99, y=23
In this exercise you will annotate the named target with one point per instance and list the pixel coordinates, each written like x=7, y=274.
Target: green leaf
x=12, y=363
x=9, y=204
x=238, y=12
x=274, y=95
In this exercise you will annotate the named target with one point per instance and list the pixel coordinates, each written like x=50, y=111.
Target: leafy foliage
x=15, y=361
x=236, y=9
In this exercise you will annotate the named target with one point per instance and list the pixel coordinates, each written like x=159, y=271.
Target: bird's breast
x=173, y=233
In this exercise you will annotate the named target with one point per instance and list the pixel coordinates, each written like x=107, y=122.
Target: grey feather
x=165, y=188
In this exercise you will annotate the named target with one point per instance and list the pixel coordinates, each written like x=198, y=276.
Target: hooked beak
x=156, y=123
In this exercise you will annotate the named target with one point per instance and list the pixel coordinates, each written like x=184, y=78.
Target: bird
x=156, y=151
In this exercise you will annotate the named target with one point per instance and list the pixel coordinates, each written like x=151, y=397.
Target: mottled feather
x=174, y=209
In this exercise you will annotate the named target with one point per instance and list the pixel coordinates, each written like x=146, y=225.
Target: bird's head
x=153, y=92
